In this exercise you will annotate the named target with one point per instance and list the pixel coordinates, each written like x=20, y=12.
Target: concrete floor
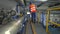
x=38, y=28
x=29, y=30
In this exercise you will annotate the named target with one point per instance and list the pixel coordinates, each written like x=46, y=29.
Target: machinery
x=6, y=16
x=14, y=27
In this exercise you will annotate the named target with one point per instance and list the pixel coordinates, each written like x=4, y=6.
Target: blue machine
x=18, y=10
x=24, y=22
x=16, y=16
x=43, y=19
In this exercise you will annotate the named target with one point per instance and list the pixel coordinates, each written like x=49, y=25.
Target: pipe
x=54, y=5
x=25, y=2
x=11, y=28
x=41, y=4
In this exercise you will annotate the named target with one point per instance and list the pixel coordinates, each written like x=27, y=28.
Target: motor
x=8, y=16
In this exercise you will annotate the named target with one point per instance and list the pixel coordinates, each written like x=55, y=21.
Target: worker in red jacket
x=32, y=9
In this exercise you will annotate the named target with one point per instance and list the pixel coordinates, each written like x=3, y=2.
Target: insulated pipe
x=54, y=5
x=12, y=28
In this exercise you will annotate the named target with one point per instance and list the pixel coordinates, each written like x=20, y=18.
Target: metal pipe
x=12, y=28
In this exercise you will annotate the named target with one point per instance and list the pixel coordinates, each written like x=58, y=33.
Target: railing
x=47, y=20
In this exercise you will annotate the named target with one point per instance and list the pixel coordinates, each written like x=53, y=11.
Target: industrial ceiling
x=7, y=4
x=42, y=5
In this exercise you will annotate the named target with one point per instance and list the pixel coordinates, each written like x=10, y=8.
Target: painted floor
x=38, y=28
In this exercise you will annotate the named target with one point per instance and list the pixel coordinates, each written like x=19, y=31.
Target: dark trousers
x=33, y=17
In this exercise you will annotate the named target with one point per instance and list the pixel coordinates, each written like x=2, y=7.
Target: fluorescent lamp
x=42, y=0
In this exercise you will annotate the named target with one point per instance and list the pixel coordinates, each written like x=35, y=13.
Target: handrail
x=33, y=28
x=47, y=20
x=47, y=17
x=53, y=8
x=54, y=23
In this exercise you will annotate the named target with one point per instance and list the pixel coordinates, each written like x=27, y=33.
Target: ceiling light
x=42, y=0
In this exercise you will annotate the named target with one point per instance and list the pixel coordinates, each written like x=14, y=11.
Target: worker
x=32, y=9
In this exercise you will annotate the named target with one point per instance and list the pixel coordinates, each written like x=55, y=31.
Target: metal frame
x=47, y=20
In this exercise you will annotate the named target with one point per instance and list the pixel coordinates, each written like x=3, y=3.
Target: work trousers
x=33, y=17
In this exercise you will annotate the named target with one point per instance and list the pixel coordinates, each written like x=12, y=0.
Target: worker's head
x=30, y=2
